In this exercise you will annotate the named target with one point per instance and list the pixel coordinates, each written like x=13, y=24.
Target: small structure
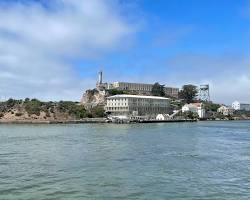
x=195, y=108
x=236, y=105
x=225, y=110
x=162, y=117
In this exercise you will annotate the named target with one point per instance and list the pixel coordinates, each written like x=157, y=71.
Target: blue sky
x=53, y=51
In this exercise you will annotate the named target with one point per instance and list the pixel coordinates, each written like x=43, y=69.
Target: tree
x=97, y=111
x=115, y=92
x=190, y=115
x=188, y=93
x=158, y=90
x=209, y=106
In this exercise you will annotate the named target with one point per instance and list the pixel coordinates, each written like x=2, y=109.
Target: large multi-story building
x=236, y=105
x=138, y=88
x=171, y=92
x=136, y=105
x=132, y=86
x=143, y=88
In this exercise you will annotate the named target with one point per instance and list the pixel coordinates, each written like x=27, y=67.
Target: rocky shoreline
x=82, y=121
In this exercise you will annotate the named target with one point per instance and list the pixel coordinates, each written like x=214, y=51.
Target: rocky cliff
x=92, y=98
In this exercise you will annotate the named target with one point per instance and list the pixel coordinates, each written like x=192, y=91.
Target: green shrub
x=115, y=92
x=33, y=107
x=98, y=111
x=72, y=108
x=19, y=114
x=190, y=115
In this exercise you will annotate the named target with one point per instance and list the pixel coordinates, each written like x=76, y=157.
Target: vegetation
x=33, y=106
x=240, y=113
x=18, y=114
x=158, y=90
x=98, y=111
x=92, y=92
x=188, y=93
x=190, y=115
x=72, y=109
x=176, y=105
x=54, y=110
x=209, y=106
x=115, y=92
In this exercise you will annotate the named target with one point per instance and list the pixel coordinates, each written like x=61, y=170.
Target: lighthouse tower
x=100, y=86
x=100, y=78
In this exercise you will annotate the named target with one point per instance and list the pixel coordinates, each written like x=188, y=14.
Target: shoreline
x=82, y=121
x=104, y=120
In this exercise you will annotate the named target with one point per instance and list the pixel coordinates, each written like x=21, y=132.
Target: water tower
x=204, y=93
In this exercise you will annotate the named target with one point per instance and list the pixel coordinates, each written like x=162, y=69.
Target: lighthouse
x=100, y=86
x=99, y=78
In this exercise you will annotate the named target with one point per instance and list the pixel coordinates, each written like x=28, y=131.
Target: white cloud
x=228, y=74
x=36, y=42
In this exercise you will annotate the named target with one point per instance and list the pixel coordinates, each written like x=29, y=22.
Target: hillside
x=35, y=110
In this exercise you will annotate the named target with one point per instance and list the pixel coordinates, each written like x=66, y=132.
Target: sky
x=53, y=49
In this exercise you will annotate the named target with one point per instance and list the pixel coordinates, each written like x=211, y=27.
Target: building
x=225, y=110
x=138, y=88
x=195, y=108
x=171, y=92
x=133, y=87
x=236, y=105
x=136, y=105
x=162, y=117
x=143, y=88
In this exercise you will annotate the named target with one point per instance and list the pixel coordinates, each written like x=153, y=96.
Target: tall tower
x=100, y=78
x=204, y=93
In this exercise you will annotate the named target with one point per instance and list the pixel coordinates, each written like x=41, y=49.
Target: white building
x=162, y=117
x=136, y=105
x=236, y=105
x=195, y=108
x=225, y=110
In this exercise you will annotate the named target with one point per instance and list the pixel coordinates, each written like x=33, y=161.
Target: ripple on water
x=206, y=160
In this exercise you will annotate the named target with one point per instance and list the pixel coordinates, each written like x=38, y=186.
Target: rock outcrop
x=92, y=98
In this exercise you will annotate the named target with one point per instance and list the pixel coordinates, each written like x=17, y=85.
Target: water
x=205, y=160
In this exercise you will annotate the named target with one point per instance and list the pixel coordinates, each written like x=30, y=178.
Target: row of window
x=133, y=108
x=117, y=104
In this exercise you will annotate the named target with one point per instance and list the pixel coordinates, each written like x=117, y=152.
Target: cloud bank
x=38, y=41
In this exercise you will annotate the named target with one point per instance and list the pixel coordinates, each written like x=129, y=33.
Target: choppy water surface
x=206, y=160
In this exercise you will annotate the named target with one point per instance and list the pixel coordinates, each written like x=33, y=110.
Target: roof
x=149, y=84
x=136, y=96
x=225, y=107
x=193, y=105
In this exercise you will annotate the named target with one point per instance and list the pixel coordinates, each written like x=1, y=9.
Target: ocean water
x=204, y=160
